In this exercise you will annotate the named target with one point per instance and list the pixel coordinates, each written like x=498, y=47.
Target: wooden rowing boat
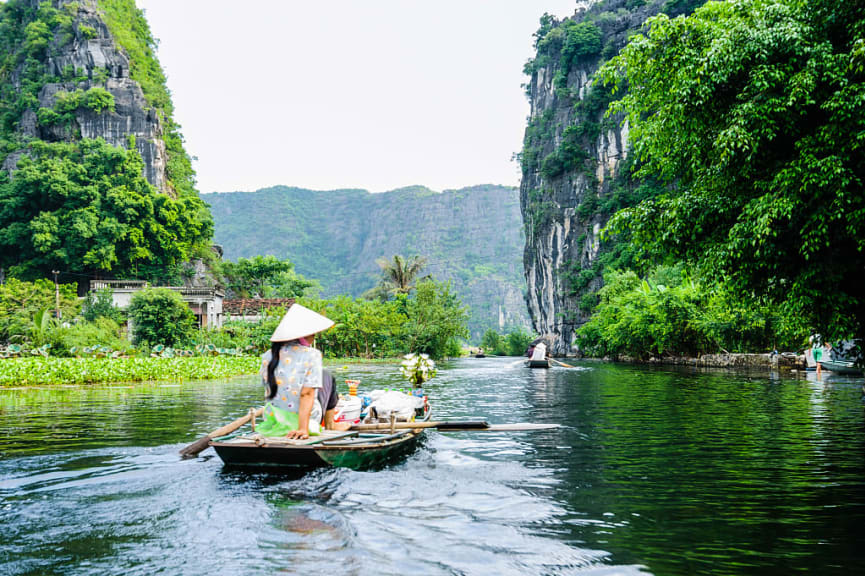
x=355, y=449
x=538, y=363
x=847, y=367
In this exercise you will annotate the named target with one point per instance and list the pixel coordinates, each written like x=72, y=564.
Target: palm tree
x=398, y=275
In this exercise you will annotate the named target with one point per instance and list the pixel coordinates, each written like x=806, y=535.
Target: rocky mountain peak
x=88, y=92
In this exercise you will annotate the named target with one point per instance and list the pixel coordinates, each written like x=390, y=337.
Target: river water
x=654, y=471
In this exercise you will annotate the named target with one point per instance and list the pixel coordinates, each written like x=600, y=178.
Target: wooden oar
x=562, y=363
x=475, y=425
x=202, y=443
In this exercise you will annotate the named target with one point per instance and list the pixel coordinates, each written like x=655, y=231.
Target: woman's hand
x=307, y=397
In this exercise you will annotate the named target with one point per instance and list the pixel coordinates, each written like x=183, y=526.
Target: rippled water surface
x=653, y=471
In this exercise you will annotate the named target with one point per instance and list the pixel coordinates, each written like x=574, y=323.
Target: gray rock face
x=560, y=237
x=103, y=63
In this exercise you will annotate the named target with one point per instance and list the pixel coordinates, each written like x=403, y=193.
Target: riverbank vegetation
x=672, y=314
x=46, y=371
x=514, y=343
x=747, y=119
x=91, y=334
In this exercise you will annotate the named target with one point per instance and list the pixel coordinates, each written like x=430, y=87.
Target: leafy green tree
x=264, y=276
x=364, y=328
x=491, y=341
x=290, y=284
x=517, y=342
x=100, y=304
x=752, y=112
x=87, y=207
x=160, y=316
x=436, y=319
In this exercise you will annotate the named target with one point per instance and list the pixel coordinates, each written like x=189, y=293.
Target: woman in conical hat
x=291, y=373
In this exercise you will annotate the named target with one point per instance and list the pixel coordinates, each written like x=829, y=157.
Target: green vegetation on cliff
x=85, y=207
x=81, y=204
x=744, y=172
x=753, y=112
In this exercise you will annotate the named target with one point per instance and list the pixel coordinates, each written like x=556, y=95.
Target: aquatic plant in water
x=47, y=371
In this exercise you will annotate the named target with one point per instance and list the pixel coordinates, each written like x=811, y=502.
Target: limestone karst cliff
x=83, y=101
x=574, y=161
x=81, y=55
x=470, y=236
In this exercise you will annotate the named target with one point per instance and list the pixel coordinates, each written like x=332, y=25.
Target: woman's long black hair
x=271, y=369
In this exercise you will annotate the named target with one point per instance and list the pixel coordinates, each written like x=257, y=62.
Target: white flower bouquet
x=418, y=368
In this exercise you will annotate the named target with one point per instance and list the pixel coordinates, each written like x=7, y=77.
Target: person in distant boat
x=530, y=352
x=291, y=372
x=540, y=352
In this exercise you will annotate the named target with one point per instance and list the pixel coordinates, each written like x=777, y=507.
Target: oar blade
x=521, y=427
x=463, y=425
x=196, y=447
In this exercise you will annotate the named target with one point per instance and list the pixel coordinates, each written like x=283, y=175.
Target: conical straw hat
x=299, y=322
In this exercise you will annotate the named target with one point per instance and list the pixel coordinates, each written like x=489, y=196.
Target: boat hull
x=359, y=454
x=841, y=367
x=538, y=363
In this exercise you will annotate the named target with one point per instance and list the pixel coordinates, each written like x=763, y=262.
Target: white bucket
x=348, y=409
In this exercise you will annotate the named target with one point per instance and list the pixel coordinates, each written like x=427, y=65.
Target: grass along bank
x=48, y=371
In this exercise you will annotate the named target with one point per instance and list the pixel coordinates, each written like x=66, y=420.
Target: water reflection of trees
x=41, y=420
x=689, y=471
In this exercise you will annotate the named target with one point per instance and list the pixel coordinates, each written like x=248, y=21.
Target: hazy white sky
x=324, y=94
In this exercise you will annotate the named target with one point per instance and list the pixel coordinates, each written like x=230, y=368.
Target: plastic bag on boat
x=393, y=402
x=279, y=422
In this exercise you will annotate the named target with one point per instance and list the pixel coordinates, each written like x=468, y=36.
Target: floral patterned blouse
x=299, y=367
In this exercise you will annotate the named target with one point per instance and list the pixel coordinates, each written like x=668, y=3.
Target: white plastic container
x=348, y=409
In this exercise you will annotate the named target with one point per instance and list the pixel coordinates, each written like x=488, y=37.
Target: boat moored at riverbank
x=847, y=367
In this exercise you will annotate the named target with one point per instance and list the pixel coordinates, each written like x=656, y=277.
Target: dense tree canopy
x=429, y=319
x=264, y=277
x=753, y=113
x=86, y=207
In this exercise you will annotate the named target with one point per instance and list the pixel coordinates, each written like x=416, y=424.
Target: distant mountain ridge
x=472, y=236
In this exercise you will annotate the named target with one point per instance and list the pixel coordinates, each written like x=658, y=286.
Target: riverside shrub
x=672, y=314
x=160, y=316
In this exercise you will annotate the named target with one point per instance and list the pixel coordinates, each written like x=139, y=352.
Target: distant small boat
x=841, y=367
x=480, y=355
x=538, y=363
